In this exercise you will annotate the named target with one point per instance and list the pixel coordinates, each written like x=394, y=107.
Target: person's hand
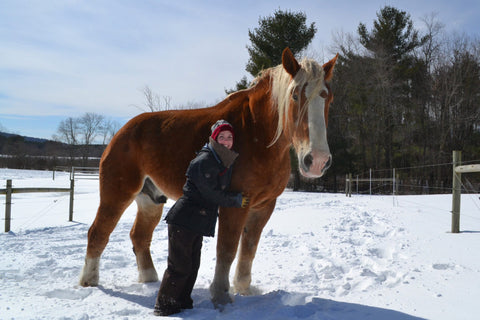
x=245, y=200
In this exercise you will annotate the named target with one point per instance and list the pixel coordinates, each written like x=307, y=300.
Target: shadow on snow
x=274, y=305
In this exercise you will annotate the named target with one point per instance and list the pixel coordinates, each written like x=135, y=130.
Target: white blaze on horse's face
x=314, y=158
x=302, y=95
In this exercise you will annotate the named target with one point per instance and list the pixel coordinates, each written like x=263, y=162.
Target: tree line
x=78, y=141
x=404, y=99
x=21, y=152
x=90, y=128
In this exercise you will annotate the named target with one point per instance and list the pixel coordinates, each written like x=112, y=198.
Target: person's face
x=225, y=138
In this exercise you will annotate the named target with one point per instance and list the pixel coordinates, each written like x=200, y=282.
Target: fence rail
x=34, y=190
x=78, y=172
x=9, y=190
x=349, y=181
x=88, y=173
x=468, y=168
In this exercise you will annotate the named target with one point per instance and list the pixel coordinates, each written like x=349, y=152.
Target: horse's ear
x=289, y=62
x=328, y=68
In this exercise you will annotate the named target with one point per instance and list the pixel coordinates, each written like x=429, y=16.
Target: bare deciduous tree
x=431, y=49
x=85, y=131
x=90, y=125
x=108, y=130
x=153, y=102
x=68, y=131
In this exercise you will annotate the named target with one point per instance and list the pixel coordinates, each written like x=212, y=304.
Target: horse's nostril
x=308, y=160
x=328, y=163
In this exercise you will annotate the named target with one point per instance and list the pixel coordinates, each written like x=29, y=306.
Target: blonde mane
x=282, y=86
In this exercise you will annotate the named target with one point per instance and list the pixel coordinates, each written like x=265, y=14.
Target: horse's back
x=156, y=144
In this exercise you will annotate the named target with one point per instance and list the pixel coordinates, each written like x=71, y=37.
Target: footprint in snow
x=443, y=266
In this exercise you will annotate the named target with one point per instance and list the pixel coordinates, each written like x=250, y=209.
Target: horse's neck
x=265, y=115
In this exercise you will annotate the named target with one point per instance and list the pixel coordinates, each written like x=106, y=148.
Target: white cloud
x=66, y=56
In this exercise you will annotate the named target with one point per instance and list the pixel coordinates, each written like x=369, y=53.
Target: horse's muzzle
x=315, y=164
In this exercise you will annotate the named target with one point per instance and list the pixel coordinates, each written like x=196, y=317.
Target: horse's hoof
x=88, y=281
x=221, y=301
x=89, y=276
x=92, y=282
x=148, y=275
x=88, y=284
x=242, y=288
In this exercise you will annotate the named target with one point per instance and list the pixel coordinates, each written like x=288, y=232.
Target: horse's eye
x=295, y=97
x=324, y=94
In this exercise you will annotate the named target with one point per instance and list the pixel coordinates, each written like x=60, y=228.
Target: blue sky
x=62, y=58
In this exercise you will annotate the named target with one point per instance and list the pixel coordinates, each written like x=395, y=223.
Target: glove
x=245, y=200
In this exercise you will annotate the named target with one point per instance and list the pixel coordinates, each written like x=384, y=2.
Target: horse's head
x=303, y=97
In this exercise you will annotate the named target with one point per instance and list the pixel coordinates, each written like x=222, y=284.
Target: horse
x=146, y=161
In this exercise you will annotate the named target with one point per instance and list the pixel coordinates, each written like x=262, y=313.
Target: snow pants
x=184, y=251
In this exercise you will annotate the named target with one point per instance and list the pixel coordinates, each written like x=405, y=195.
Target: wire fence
x=410, y=180
x=76, y=173
x=469, y=186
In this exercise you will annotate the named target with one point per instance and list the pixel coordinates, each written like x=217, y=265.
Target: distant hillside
x=25, y=138
x=18, y=151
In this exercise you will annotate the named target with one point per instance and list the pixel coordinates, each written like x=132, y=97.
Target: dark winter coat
x=208, y=180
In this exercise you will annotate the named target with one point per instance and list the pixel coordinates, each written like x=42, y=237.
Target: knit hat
x=219, y=126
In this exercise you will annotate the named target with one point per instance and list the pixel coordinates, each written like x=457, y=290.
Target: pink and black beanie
x=219, y=126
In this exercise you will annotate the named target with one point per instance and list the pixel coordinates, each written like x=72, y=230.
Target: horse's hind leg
x=256, y=221
x=118, y=187
x=108, y=214
x=148, y=216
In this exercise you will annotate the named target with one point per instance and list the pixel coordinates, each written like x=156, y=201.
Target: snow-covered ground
x=321, y=256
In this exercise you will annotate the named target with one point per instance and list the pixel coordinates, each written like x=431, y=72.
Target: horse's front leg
x=231, y=222
x=257, y=219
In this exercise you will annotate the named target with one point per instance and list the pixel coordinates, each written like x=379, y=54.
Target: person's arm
x=204, y=175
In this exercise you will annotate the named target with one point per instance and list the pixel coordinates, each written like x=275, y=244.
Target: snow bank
x=321, y=256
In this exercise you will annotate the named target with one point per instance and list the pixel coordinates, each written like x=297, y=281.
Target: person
x=194, y=215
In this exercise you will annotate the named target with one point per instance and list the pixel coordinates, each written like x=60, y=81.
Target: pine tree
x=392, y=35
x=391, y=42
x=274, y=34
x=271, y=37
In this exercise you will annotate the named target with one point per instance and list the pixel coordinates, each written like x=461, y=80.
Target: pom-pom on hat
x=219, y=126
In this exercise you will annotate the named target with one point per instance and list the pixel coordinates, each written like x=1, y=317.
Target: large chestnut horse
x=288, y=104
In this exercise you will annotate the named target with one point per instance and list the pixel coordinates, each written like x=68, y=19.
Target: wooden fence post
x=456, y=192
x=346, y=185
x=370, y=181
x=397, y=183
x=357, y=185
x=72, y=192
x=350, y=185
x=393, y=182
x=8, y=205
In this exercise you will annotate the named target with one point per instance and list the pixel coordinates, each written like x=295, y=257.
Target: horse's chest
x=273, y=177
